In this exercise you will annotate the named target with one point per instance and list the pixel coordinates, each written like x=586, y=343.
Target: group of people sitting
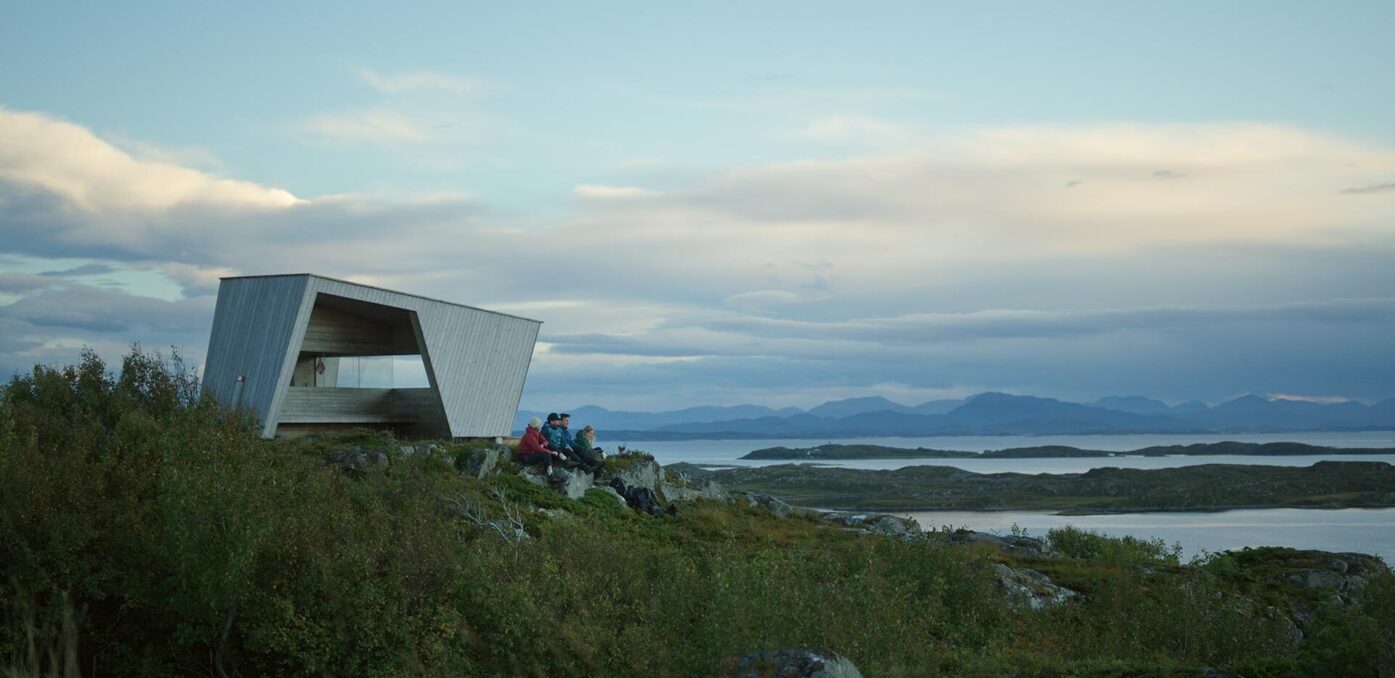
x=552, y=445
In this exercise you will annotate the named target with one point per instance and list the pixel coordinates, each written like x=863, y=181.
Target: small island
x=829, y=452
x=1204, y=487
x=842, y=452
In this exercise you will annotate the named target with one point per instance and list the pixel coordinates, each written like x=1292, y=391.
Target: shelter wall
x=253, y=325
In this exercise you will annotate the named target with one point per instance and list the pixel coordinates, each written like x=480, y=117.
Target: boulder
x=347, y=461
x=644, y=473
x=768, y=502
x=1011, y=544
x=1341, y=573
x=876, y=523
x=482, y=463
x=356, y=458
x=425, y=449
x=534, y=476
x=792, y=663
x=1030, y=588
x=574, y=484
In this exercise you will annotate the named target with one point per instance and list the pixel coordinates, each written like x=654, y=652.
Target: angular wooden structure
x=277, y=341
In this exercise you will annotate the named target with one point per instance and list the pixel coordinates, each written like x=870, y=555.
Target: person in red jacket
x=533, y=449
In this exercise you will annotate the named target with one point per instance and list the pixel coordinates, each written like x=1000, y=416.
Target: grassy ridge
x=146, y=532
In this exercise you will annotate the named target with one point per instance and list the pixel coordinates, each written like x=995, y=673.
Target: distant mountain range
x=984, y=414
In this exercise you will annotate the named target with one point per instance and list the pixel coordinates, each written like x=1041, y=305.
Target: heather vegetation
x=146, y=531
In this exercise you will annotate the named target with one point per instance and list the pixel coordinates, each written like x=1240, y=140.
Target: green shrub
x=1127, y=550
x=624, y=460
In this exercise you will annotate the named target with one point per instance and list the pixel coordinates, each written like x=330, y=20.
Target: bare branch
x=509, y=526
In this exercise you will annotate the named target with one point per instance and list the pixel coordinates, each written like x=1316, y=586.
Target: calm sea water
x=1354, y=530
x=727, y=452
x=1360, y=530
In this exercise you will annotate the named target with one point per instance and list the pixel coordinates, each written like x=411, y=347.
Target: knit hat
x=535, y=423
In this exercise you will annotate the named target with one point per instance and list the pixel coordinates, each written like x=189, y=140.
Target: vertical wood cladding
x=476, y=360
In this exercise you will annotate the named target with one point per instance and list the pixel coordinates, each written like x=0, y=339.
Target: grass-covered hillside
x=145, y=532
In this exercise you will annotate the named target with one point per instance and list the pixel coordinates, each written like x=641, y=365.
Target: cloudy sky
x=719, y=203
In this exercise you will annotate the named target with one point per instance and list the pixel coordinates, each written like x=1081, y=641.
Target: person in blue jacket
x=556, y=435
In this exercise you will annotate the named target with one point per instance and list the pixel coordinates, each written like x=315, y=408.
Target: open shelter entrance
x=348, y=368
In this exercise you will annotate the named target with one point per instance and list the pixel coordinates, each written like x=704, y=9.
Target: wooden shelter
x=279, y=341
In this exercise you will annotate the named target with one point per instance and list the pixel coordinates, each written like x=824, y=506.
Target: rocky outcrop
x=575, y=484
x=644, y=473
x=792, y=663
x=637, y=476
x=876, y=523
x=1016, y=545
x=1319, y=579
x=357, y=458
x=883, y=524
x=678, y=486
x=1030, y=589
x=572, y=484
x=1343, y=574
x=768, y=502
x=427, y=449
x=482, y=463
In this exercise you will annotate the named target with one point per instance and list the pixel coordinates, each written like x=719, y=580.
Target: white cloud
x=600, y=192
x=959, y=203
x=41, y=154
x=64, y=192
x=196, y=280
